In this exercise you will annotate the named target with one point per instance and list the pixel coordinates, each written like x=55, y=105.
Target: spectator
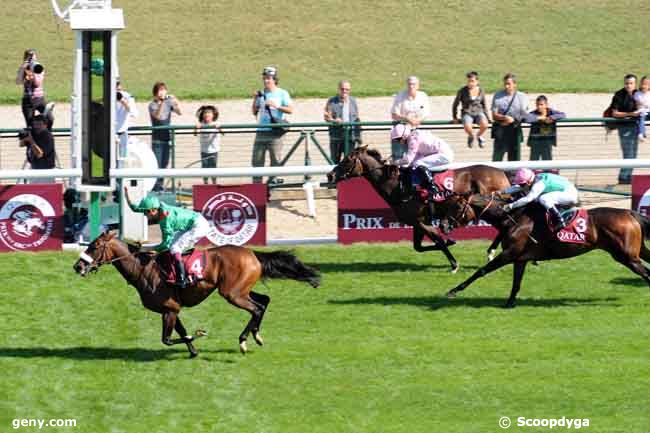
x=509, y=109
x=125, y=109
x=342, y=108
x=31, y=75
x=623, y=106
x=207, y=116
x=642, y=98
x=473, y=109
x=410, y=106
x=160, y=111
x=40, y=150
x=269, y=105
x=543, y=130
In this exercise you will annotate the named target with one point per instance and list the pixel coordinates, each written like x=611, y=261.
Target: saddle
x=441, y=186
x=194, y=261
x=576, y=221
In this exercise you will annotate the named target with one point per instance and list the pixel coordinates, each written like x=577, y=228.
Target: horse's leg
x=168, y=324
x=262, y=302
x=246, y=303
x=431, y=234
x=418, y=235
x=517, y=276
x=635, y=265
x=492, y=249
x=187, y=339
x=499, y=261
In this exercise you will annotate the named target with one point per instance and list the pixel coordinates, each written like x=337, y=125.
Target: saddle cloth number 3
x=581, y=225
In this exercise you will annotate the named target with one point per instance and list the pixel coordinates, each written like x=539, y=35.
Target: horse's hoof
x=451, y=294
x=258, y=339
x=200, y=333
x=509, y=305
x=193, y=355
x=242, y=347
x=455, y=268
x=491, y=255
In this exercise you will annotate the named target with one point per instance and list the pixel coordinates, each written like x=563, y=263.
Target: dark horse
x=409, y=207
x=527, y=237
x=231, y=269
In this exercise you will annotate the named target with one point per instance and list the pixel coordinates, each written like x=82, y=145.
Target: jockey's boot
x=558, y=221
x=426, y=179
x=181, y=280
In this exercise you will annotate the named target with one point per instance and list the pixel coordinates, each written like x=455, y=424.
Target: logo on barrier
x=644, y=204
x=26, y=222
x=233, y=217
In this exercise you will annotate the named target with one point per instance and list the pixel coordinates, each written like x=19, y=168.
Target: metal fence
x=308, y=144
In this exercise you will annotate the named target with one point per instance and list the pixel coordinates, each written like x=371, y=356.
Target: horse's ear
x=109, y=234
x=362, y=148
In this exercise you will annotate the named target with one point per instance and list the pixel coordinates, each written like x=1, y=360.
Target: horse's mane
x=375, y=154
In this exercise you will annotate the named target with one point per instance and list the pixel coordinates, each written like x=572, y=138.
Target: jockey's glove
x=507, y=207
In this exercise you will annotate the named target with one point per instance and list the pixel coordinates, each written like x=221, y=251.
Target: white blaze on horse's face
x=84, y=264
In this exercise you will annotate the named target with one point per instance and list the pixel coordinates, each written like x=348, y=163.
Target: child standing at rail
x=642, y=99
x=543, y=130
x=210, y=142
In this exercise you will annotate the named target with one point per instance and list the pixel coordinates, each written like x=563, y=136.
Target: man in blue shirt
x=269, y=106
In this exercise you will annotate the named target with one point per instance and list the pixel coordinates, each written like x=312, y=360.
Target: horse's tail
x=284, y=264
x=644, y=222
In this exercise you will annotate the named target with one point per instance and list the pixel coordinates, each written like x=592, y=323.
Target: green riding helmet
x=149, y=202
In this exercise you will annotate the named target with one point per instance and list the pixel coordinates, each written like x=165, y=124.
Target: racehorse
x=526, y=236
x=231, y=269
x=409, y=207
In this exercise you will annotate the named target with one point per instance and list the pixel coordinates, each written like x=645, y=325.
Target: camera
x=37, y=67
x=26, y=132
x=119, y=96
x=260, y=94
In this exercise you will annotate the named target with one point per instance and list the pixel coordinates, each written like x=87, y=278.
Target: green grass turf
x=378, y=348
x=216, y=49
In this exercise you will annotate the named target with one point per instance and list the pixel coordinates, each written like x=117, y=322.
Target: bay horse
x=409, y=207
x=526, y=236
x=230, y=269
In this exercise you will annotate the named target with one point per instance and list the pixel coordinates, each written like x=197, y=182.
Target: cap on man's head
x=269, y=71
x=149, y=202
x=38, y=118
x=412, y=79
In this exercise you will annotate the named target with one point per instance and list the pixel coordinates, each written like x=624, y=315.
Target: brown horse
x=408, y=207
x=231, y=269
x=527, y=237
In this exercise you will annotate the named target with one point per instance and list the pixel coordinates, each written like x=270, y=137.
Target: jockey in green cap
x=181, y=229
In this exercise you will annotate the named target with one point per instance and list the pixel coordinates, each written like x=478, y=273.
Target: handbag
x=278, y=131
x=609, y=125
x=499, y=131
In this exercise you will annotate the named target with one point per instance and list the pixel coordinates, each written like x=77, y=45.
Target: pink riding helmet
x=523, y=175
x=400, y=131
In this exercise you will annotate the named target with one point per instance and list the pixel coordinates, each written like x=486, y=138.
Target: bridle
x=93, y=265
x=467, y=206
x=358, y=166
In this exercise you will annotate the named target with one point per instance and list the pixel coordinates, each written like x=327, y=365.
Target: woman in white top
x=642, y=99
x=210, y=141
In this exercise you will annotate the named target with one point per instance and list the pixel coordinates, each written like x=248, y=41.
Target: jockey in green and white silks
x=548, y=189
x=181, y=229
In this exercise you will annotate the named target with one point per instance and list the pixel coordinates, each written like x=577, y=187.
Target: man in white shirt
x=125, y=108
x=410, y=106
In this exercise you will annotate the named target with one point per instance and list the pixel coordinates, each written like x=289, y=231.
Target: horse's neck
x=385, y=186
x=129, y=266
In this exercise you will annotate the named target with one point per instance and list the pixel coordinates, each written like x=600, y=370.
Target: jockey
x=424, y=152
x=548, y=189
x=181, y=229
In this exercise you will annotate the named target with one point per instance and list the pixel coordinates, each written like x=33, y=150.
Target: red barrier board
x=641, y=194
x=237, y=213
x=31, y=217
x=363, y=216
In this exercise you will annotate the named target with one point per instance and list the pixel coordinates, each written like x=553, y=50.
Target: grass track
x=376, y=349
x=216, y=49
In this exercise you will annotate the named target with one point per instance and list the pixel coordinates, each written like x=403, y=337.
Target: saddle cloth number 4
x=196, y=267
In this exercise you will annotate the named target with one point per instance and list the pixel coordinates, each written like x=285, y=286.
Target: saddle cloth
x=194, y=261
x=577, y=221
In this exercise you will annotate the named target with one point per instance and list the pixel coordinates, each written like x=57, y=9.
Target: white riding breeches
x=187, y=239
x=432, y=161
x=567, y=197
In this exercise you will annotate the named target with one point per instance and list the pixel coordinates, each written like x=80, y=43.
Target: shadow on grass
x=107, y=353
x=629, y=281
x=438, y=302
x=386, y=267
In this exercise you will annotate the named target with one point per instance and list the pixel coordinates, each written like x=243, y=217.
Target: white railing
x=136, y=173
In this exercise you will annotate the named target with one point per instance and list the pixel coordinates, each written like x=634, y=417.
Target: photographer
x=509, y=109
x=40, y=150
x=125, y=108
x=160, y=111
x=269, y=105
x=31, y=75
